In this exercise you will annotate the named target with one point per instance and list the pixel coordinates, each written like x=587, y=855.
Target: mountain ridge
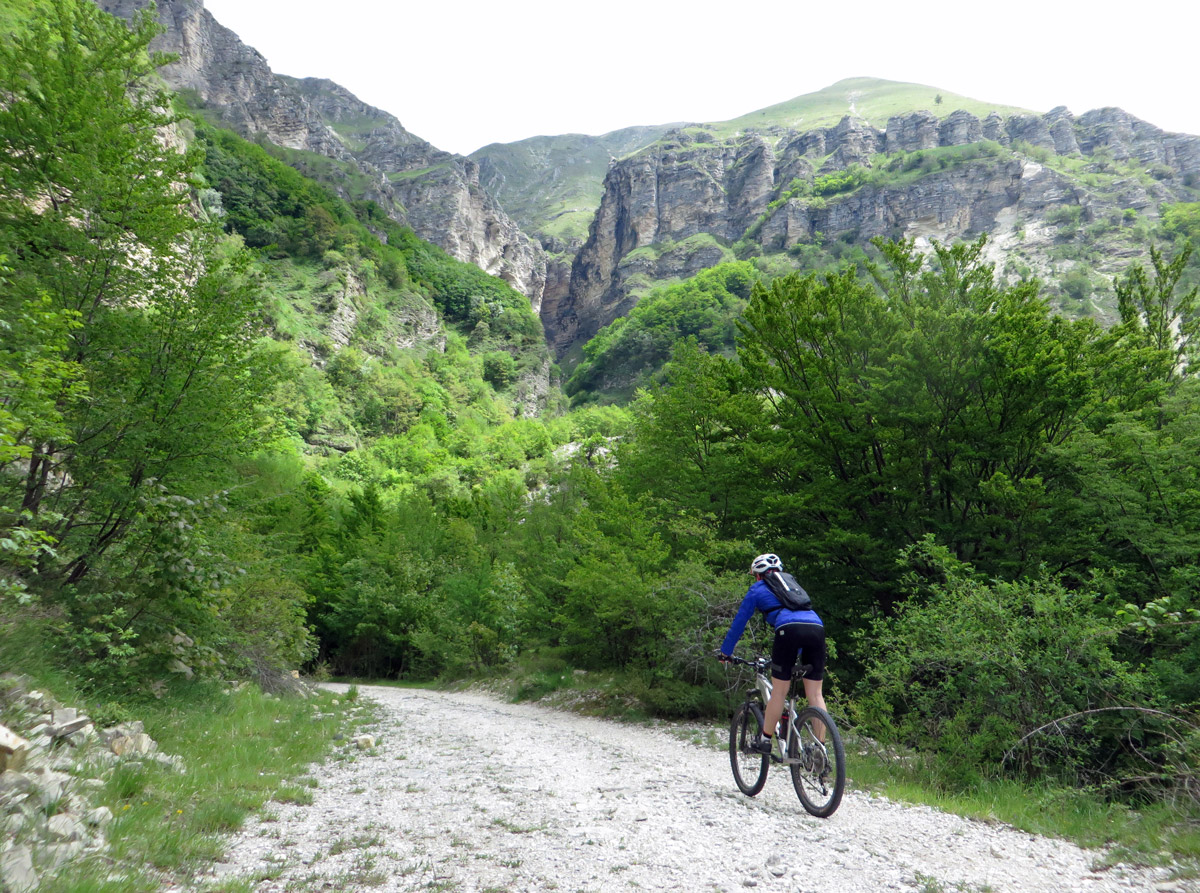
x=772, y=182
x=1051, y=190
x=435, y=192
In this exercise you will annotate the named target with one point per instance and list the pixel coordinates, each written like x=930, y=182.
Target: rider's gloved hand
x=723, y=658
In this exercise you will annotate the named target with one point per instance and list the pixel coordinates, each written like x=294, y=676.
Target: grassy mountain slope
x=365, y=303
x=872, y=99
x=551, y=185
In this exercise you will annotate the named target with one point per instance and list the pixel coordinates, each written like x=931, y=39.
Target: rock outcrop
x=436, y=193
x=741, y=189
x=55, y=761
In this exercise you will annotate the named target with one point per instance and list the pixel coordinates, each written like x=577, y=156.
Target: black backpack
x=790, y=593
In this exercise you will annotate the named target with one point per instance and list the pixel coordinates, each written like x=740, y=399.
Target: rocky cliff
x=436, y=193
x=1032, y=182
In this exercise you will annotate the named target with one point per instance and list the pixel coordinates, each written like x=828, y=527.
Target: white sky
x=468, y=73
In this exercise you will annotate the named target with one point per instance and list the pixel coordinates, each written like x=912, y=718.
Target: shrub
x=1008, y=657
x=499, y=369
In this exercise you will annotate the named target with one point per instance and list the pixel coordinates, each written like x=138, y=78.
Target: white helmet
x=766, y=562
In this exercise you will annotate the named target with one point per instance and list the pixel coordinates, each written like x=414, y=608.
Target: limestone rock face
x=1124, y=136
x=1031, y=129
x=436, y=193
x=227, y=75
x=656, y=199
x=993, y=129
x=959, y=129
x=675, y=189
x=1060, y=123
x=911, y=133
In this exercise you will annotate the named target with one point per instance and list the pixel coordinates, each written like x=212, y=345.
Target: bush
x=499, y=369
x=1007, y=658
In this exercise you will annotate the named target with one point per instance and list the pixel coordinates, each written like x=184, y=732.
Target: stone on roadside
x=64, y=729
x=364, y=741
x=167, y=761
x=124, y=730
x=81, y=736
x=58, y=854
x=133, y=744
x=65, y=826
x=13, y=750
x=99, y=817
x=16, y=870
x=16, y=782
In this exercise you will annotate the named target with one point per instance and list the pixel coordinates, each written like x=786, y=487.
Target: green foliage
x=141, y=376
x=840, y=181
x=1008, y=659
x=860, y=419
x=1156, y=315
x=34, y=380
x=283, y=213
x=633, y=347
x=1182, y=220
x=271, y=205
x=1077, y=285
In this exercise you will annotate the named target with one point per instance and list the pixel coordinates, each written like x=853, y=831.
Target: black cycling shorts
x=798, y=640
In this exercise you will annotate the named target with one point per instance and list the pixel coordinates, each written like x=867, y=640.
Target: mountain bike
x=808, y=741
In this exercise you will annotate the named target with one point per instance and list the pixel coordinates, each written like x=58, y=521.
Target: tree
x=864, y=417
x=153, y=309
x=1155, y=315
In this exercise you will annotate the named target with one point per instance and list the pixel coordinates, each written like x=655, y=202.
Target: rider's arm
x=745, y=612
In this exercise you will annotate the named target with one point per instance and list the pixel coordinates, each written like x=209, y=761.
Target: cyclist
x=796, y=633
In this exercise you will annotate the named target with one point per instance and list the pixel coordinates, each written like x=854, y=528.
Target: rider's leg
x=815, y=698
x=774, y=709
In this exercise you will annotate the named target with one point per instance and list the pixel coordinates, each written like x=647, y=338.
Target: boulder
x=65, y=826
x=16, y=870
x=13, y=750
x=138, y=743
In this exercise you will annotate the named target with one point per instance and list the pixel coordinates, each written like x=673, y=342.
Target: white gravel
x=465, y=792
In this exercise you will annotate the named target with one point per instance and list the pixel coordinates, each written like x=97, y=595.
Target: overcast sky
x=465, y=74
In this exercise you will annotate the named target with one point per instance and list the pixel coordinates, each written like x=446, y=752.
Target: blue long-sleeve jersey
x=760, y=598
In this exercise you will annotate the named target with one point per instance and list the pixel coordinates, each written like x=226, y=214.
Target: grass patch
x=1151, y=835
x=240, y=750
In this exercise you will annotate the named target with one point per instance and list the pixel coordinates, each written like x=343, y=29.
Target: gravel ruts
x=465, y=792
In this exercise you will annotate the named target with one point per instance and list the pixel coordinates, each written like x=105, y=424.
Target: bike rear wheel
x=749, y=767
x=819, y=775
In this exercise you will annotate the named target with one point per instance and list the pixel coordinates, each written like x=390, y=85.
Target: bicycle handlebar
x=760, y=663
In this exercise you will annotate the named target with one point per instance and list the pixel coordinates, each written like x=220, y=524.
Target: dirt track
x=522, y=798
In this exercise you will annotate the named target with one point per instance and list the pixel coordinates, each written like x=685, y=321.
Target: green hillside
x=551, y=185
x=872, y=99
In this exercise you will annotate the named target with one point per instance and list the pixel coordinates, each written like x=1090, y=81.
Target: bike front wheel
x=749, y=767
x=819, y=770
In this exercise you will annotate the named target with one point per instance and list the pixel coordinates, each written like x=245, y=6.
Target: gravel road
x=465, y=792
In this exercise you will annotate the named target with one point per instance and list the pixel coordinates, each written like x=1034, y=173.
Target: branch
x=1054, y=722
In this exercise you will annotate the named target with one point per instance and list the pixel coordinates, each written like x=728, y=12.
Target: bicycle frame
x=763, y=687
